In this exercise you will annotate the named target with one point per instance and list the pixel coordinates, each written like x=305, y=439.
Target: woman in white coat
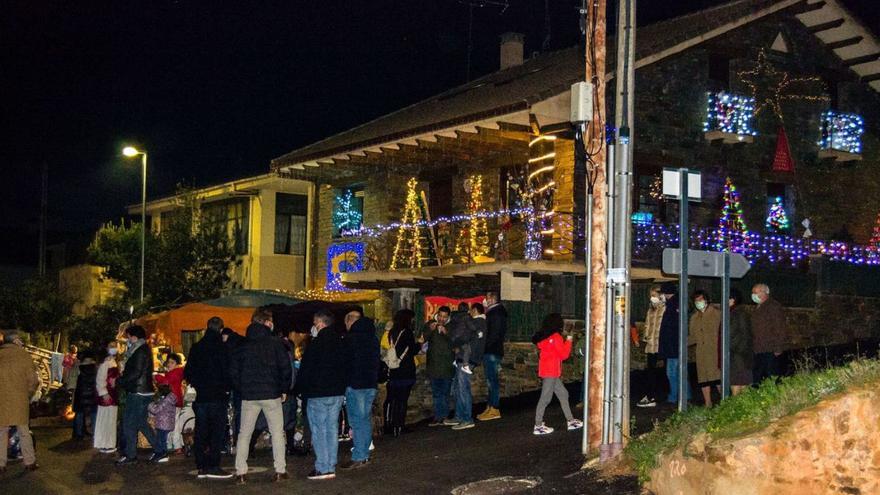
x=105, y=424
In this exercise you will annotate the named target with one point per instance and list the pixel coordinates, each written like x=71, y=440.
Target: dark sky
x=214, y=89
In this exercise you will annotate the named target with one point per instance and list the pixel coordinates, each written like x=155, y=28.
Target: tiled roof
x=518, y=87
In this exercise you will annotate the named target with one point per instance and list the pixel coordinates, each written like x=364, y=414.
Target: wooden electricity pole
x=595, y=74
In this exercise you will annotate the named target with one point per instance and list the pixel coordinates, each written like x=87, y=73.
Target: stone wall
x=828, y=448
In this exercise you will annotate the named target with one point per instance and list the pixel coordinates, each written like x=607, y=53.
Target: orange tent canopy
x=167, y=327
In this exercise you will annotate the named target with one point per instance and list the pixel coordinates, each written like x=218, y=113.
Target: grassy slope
x=750, y=411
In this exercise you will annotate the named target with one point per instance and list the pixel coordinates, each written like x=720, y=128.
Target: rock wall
x=833, y=447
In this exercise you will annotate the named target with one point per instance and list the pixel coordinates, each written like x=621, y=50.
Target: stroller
x=186, y=418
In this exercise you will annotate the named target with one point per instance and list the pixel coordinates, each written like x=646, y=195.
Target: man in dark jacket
x=768, y=333
x=439, y=366
x=85, y=396
x=207, y=370
x=362, y=358
x=668, y=345
x=137, y=382
x=260, y=371
x=496, y=323
x=471, y=331
x=322, y=381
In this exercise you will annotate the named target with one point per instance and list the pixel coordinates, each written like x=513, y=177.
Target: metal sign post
x=725, y=328
x=683, y=241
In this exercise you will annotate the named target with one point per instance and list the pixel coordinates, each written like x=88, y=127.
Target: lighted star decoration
x=770, y=87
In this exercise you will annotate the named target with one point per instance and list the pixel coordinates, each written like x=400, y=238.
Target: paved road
x=425, y=461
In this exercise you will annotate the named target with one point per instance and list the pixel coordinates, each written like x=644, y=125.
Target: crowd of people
x=757, y=340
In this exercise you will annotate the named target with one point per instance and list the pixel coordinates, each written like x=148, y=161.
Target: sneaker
x=159, y=459
x=463, y=426
x=542, y=429
x=575, y=424
x=354, y=464
x=436, y=422
x=467, y=369
x=451, y=422
x=203, y=473
x=646, y=402
x=125, y=461
x=489, y=414
x=111, y=450
x=218, y=474
x=315, y=475
x=372, y=447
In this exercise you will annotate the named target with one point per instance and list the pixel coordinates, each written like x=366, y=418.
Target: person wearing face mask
x=105, y=384
x=703, y=334
x=768, y=333
x=668, y=340
x=656, y=308
x=137, y=381
x=260, y=371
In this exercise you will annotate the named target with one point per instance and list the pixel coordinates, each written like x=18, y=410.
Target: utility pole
x=595, y=141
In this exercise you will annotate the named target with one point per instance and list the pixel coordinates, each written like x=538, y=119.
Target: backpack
x=390, y=357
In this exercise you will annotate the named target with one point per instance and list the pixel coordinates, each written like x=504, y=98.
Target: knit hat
x=668, y=288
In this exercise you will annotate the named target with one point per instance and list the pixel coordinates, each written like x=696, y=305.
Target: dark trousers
x=766, y=365
x=395, y=403
x=210, y=433
x=134, y=420
x=79, y=423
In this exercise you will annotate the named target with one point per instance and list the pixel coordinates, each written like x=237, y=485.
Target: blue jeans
x=323, y=415
x=491, y=362
x=79, y=423
x=134, y=420
x=463, y=398
x=440, y=388
x=672, y=376
x=161, y=447
x=359, y=404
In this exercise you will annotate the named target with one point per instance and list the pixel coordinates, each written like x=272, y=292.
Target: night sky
x=215, y=89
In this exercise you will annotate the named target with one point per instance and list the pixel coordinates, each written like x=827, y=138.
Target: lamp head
x=130, y=151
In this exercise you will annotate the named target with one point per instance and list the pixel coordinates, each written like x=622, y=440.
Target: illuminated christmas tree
x=733, y=235
x=346, y=217
x=874, y=243
x=413, y=249
x=477, y=237
x=777, y=220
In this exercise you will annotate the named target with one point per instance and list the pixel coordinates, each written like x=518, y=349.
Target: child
x=554, y=349
x=162, y=412
x=173, y=376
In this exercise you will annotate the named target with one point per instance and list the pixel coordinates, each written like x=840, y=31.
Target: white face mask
x=701, y=305
x=270, y=324
x=756, y=299
x=112, y=351
x=656, y=300
x=314, y=331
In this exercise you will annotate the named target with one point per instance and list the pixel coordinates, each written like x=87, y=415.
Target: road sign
x=672, y=184
x=705, y=263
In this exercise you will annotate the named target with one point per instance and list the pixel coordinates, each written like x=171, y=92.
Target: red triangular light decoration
x=782, y=161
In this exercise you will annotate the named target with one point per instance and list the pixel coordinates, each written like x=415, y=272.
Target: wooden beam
x=825, y=26
x=870, y=78
x=864, y=59
x=855, y=40
x=807, y=7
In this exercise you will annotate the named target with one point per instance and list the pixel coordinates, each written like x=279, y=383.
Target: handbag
x=390, y=357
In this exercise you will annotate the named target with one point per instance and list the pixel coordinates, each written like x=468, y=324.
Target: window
x=719, y=72
x=440, y=198
x=233, y=216
x=291, y=214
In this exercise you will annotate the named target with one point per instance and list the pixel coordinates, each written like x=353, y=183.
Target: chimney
x=512, y=49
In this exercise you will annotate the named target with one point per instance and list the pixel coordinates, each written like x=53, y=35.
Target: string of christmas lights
x=732, y=234
x=874, y=243
x=345, y=216
x=842, y=132
x=770, y=87
x=342, y=258
x=729, y=113
x=408, y=248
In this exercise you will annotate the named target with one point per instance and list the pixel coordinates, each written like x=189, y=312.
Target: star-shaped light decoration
x=770, y=87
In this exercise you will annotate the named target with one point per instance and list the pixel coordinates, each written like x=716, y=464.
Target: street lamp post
x=132, y=152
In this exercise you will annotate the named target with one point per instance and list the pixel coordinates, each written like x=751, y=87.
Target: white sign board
x=672, y=184
x=516, y=286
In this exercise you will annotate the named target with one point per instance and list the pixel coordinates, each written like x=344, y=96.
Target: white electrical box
x=581, y=102
x=516, y=286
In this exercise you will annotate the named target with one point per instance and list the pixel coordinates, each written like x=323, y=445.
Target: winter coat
x=137, y=376
x=769, y=327
x=207, y=369
x=741, y=355
x=362, y=355
x=404, y=341
x=652, y=327
x=85, y=397
x=496, y=323
x=105, y=382
x=668, y=342
x=260, y=367
x=323, y=371
x=174, y=379
x=440, y=354
x=18, y=382
x=703, y=333
x=164, y=412
x=553, y=351
x=478, y=340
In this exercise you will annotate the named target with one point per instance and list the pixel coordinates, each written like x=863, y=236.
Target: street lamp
x=131, y=152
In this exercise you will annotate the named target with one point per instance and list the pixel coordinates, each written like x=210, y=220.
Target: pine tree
x=733, y=235
x=413, y=248
x=777, y=220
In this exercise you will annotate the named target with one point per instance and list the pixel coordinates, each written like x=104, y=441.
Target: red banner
x=782, y=161
x=433, y=303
